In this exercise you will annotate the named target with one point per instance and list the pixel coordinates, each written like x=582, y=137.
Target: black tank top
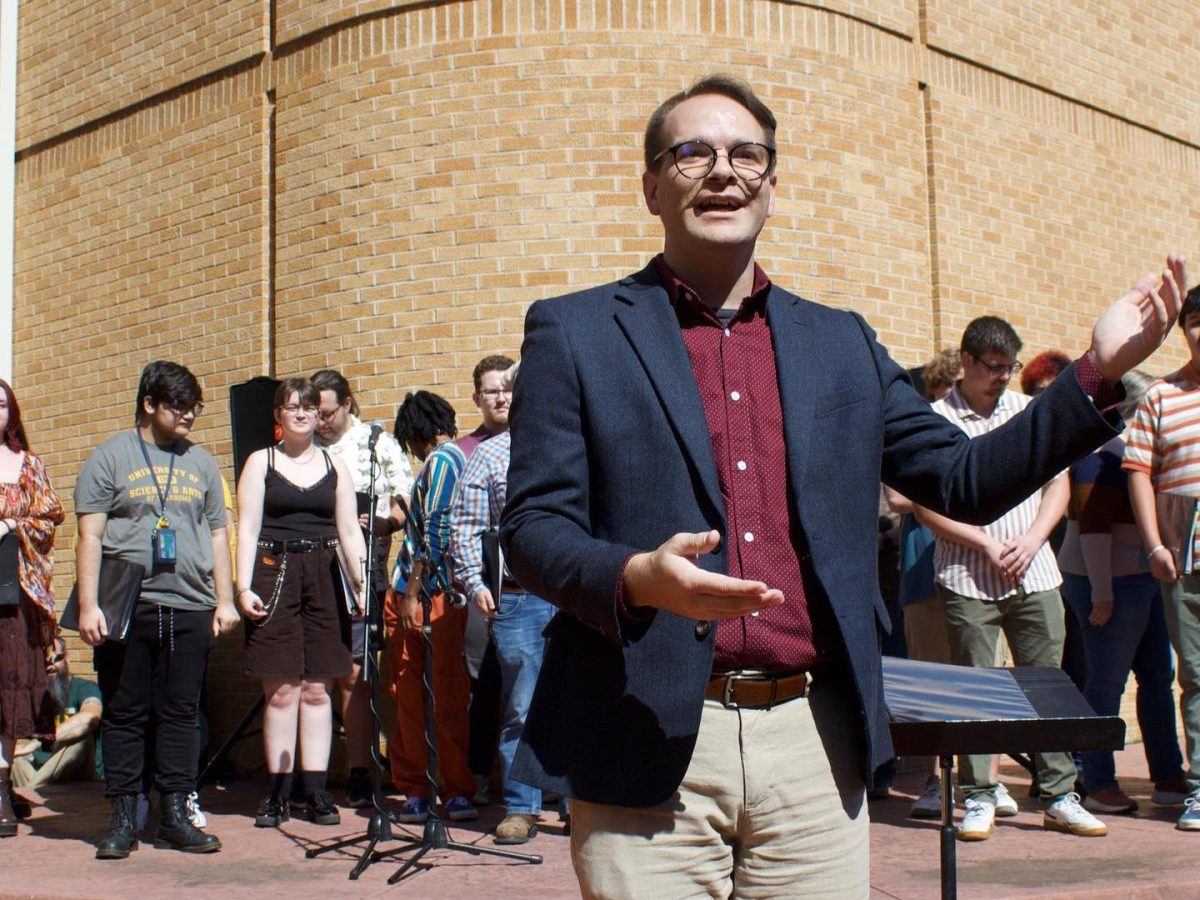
x=295, y=513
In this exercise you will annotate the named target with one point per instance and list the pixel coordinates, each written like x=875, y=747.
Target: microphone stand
x=434, y=836
x=379, y=829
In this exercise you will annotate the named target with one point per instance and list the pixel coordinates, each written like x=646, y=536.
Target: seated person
x=74, y=755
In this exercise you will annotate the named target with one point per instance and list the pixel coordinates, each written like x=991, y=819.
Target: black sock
x=312, y=782
x=281, y=785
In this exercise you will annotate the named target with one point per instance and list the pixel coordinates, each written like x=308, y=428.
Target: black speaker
x=252, y=417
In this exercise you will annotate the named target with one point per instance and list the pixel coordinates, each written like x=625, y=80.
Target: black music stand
x=941, y=710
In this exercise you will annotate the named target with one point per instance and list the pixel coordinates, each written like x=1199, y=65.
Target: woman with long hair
x=298, y=544
x=29, y=511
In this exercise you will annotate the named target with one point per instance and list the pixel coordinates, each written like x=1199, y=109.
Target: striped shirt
x=429, y=516
x=1163, y=437
x=966, y=571
x=478, y=503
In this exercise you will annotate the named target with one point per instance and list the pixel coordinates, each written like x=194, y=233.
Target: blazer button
x=703, y=627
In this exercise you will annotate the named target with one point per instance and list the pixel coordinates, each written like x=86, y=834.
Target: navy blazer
x=611, y=455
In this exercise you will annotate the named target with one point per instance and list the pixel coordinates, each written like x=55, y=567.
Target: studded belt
x=297, y=546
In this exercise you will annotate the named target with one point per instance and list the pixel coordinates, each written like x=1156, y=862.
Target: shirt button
x=726, y=332
x=749, y=537
x=754, y=614
x=741, y=464
x=734, y=395
x=702, y=629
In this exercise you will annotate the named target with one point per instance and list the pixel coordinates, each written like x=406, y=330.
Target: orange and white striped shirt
x=1162, y=438
x=966, y=571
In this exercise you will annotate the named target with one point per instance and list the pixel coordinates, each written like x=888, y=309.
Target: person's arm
x=88, y=549
x=897, y=502
x=1096, y=508
x=1163, y=563
x=35, y=529
x=468, y=520
x=225, y=616
x=78, y=726
x=352, y=550
x=1020, y=550
x=251, y=488
x=970, y=536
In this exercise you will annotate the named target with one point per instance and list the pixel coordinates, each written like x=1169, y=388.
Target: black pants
x=484, y=715
x=160, y=670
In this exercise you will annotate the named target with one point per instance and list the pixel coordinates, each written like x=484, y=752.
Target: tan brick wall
x=434, y=168
x=1131, y=58
x=81, y=59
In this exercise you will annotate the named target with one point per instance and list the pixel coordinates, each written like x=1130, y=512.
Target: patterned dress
x=26, y=710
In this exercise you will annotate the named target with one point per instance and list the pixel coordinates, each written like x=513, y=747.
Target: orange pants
x=407, y=749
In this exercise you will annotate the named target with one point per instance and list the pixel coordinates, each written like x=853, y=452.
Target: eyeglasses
x=998, y=369
x=326, y=414
x=293, y=408
x=180, y=412
x=56, y=658
x=493, y=394
x=696, y=159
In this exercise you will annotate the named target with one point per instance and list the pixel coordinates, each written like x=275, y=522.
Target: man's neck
x=722, y=280
x=151, y=436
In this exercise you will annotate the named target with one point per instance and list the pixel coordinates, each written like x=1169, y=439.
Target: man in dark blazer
x=694, y=483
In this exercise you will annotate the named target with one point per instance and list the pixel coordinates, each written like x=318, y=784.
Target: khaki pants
x=772, y=805
x=74, y=762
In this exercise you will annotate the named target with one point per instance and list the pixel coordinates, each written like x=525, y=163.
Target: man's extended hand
x=669, y=578
x=1137, y=324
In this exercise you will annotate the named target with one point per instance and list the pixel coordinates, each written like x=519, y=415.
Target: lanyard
x=162, y=495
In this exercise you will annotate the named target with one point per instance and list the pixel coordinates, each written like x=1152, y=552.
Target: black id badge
x=163, y=543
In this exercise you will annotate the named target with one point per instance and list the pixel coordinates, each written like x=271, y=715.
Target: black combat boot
x=8, y=816
x=121, y=839
x=176, y=831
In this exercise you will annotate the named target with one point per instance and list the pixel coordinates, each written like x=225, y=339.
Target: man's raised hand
x=1137, y=324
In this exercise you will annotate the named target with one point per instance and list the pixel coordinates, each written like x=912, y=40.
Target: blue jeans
x=1134, y=639
x=517, y=632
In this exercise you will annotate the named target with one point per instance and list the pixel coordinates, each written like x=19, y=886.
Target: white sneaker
x=194, y=813
x=1066, y=814
x=979, y=822
x=1006, y=806
x=929, y=804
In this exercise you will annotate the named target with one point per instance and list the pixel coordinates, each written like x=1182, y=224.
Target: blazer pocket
x=839, y=399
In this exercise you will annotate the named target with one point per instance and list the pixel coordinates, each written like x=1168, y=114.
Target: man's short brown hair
x=493, y=363
x=735, y=89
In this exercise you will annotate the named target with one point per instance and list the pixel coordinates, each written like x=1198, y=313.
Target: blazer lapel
x=645, y=315
x=790, y=321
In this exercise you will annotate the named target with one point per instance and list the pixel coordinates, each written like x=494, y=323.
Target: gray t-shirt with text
x=115, y=480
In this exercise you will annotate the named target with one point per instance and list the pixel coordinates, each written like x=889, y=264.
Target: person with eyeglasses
x=348, y=437
x=1003, y=576
x=493, y=397
x=152, y=497
x=300, y=570
x=694, y=482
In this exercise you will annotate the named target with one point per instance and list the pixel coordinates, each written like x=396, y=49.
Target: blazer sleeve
x=933, y=462
x=546, y=526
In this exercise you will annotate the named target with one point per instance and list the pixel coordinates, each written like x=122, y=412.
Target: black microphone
x=376, y=431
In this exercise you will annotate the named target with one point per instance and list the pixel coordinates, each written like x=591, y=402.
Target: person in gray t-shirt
x=150, y=496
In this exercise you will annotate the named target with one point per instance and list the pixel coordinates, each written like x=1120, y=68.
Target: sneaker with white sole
x=1189, y=819
x=1066, y=814
x=979, y=822
x=929, y=804
x=1006, y=806
x=195, y=814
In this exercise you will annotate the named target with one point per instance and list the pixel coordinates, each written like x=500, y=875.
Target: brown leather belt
x=757, y=690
